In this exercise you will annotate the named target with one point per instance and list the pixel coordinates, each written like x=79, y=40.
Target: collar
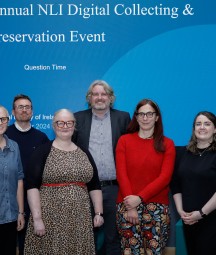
x=21, y=129
x=106, y=114
x=9, y=143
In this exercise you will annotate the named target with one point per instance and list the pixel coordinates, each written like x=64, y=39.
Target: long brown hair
x=158, y=129
x=192, y=145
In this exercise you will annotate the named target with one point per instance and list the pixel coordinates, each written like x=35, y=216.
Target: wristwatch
x=203, y=215
x=99, y=213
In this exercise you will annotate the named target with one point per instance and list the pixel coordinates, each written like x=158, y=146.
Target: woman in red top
x=144, y=160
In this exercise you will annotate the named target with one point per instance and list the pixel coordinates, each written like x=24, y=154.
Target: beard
x=101, y=105
x=24, y=118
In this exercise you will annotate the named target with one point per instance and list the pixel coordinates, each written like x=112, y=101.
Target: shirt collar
x=9, y=145
x=21, y=129
x=104, y=117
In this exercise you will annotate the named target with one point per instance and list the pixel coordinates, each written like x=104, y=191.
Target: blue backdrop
x=167, y=54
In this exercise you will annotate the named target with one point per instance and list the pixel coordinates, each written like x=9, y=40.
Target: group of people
x=104, y=170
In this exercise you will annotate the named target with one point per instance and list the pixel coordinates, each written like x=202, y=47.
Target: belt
x=82, y=184
x=108, y=183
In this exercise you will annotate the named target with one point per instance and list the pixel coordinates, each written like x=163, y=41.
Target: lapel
x=114, y=126
x=87, y=125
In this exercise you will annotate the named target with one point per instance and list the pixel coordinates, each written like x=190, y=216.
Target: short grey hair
x=63, y=110
x=6, y=111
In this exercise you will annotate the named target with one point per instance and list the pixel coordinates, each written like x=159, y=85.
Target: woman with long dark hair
x=194, y=185
x=145, y=160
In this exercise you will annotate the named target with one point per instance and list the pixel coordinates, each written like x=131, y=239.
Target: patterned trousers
x=150, y=236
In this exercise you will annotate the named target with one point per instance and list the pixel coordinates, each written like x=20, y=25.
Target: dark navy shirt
x=11, y=172
x=28, y=141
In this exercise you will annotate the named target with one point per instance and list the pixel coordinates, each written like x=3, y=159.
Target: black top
x=28, y=141
x=195, y=177
x=37, y=163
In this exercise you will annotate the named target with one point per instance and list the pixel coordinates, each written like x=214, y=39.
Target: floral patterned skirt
x=150, y=236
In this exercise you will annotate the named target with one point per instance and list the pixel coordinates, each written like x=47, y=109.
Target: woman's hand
x=98, y=221
x=20, y=222
x=131, y=201
x=39, y=228
x=191, y=217
x=132, y=216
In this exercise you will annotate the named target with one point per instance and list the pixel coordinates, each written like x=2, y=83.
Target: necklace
x=201, y=151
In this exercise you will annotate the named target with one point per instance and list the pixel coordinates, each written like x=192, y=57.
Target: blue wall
x=169, y=59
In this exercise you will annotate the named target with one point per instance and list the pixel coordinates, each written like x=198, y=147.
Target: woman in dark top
x=194, y=186
x=61, y=179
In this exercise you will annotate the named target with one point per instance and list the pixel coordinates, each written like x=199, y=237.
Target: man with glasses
x=98, y=130
x=28, y=139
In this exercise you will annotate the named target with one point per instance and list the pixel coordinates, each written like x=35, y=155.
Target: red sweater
x=142, y=171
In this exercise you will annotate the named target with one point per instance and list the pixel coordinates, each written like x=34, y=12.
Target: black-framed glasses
x=141, y=115
x=69, y=123
x=4, y=120
x=22, y=107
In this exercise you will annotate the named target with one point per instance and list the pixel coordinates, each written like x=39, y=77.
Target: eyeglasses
x=22, y=107
x=61, y=123
x=4, y=120
x=98, y=94
x=141, y=115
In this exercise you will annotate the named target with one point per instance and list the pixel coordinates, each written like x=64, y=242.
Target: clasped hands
x=190, y=218
x=130, y=203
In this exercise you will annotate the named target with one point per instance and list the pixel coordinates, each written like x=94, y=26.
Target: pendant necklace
x=201, y=151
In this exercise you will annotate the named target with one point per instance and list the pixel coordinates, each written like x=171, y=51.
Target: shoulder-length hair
x=158, y=129
x=192, y=145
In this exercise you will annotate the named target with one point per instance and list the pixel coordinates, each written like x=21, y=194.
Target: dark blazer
x=119, y=123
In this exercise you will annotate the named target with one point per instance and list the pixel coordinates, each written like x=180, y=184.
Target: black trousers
x=201, y=237
x=8, y=238
x=22, y=233
x=112, y=243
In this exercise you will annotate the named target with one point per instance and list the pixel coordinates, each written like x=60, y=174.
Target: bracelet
x=22, y=213
x=99, y=213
